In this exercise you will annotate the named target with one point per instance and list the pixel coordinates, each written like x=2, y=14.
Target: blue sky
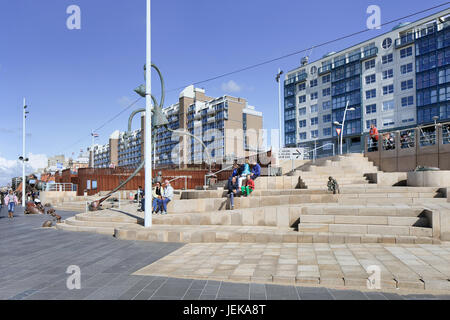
x=74, y=80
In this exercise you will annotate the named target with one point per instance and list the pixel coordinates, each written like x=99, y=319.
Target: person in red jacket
x=249, y=186
x=374, y=136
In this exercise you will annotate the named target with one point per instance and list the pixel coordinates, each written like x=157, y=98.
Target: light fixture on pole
x=22, y=158
x=343, y=123
x=278, y=77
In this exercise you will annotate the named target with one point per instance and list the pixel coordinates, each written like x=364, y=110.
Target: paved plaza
x=34, y=261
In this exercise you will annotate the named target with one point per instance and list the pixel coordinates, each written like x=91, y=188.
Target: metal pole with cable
x=148, y=125
x=23, y=154
x=278, y=79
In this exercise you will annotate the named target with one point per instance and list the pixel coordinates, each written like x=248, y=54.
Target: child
x=249, y=186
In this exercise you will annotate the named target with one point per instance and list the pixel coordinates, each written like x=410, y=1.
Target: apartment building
x=228, y=126
x=397, y=80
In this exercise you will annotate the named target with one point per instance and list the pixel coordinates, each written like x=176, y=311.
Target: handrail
x=213, y=174
x=185, y=180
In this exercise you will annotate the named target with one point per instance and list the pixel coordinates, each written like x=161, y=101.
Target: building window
x=327, y=131
x=407, y=101
x=302, y=135
x=371, y=108
x=370, y=64
x=302, y=111
x=388, y=105
x=407, y=120
x=388, y=89
x=326, y=92
x=314, y=108
x=388, y=122
x=386, y=43
x=302, y=99
x=314, y=121
x=408, y=84
x=387, y=58
x=302, y=123
x=326, y=105
x=370, y=79
x=313, y=83
x=406, y=68
x=314, y=134
x=369, y=122
x=387, y=74
x=314, y=95
x=302, y=86
x=326, y=118
x=371, y=94
x=406, y=52
x=326, y=79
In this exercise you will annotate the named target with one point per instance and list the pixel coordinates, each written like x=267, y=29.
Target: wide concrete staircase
x=283, y=210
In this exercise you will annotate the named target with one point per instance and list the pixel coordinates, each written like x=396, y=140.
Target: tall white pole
x=343, y=122
x=148, y=125
x=23, y=155
x=279, y=109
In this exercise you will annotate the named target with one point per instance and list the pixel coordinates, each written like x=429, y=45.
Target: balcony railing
x=299, y=78
x=404, y=40
x=325, y=69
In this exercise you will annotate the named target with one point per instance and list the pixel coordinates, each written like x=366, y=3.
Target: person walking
x=167, y=196
x=233, y=188
x=11, y=201
x=249, y=186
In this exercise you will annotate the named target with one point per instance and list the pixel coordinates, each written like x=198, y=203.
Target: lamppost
x=343, y=122
x=22, y=158
x=148, y=124
x=280, y=72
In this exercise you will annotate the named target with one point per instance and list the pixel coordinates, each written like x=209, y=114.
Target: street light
x=343, y=122
x=23, y=151
x=280, y=72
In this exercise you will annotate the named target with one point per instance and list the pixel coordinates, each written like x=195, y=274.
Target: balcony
x=296, y=79
x=404, y=40
x=325, y=69
x=372, y=52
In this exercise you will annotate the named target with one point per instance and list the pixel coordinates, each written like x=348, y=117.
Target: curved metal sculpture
x=158, y=120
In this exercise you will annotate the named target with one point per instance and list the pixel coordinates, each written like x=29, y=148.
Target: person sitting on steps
x=333, y=185
x=249, y=186
x=245, y=171
x=233, y=190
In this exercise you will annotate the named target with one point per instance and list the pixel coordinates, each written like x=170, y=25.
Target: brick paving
x=34, y=261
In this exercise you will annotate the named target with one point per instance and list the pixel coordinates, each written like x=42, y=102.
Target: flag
x=95, y=135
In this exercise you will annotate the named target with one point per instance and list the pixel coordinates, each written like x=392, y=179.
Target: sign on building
x=291, y=154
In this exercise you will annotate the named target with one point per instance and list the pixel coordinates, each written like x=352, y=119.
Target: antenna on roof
x=306, y=58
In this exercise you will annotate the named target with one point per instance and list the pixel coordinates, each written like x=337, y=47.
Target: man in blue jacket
x=256, y=171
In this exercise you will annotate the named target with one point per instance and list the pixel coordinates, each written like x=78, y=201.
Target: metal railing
x=425, y=136
x=181, y=177
x=60, y=187
x=215, y=173
x=314, y=151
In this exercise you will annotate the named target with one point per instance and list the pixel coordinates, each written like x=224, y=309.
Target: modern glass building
x=226, y=125
x=400, y=79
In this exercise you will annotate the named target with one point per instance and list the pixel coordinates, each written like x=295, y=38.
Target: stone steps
x=364, y=220
x=342, y=228
x=102, y=224
x=100, y=230
x=362, y=211
x=210, y=234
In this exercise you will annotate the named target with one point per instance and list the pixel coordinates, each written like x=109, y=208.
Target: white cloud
x=231, y=86
x=13, y=168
